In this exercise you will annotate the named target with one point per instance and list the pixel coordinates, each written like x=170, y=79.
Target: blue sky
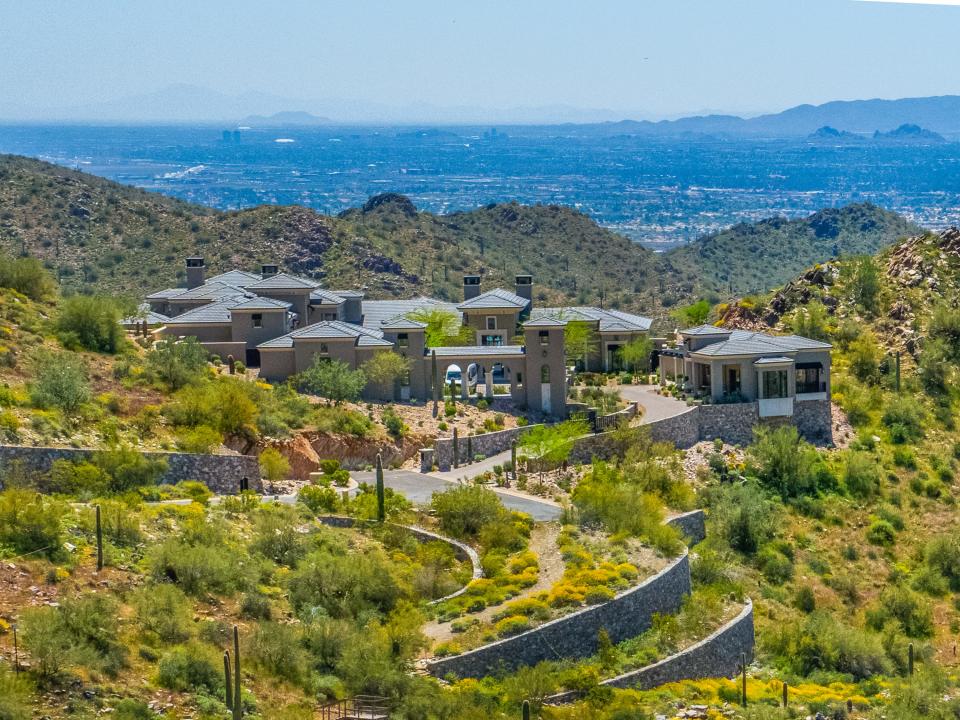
x=636, y=58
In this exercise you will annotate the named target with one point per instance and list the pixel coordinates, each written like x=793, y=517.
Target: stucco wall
x=575, y=635
x=221, y=473
x=718, y=655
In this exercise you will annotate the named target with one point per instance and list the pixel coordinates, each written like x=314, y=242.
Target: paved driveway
x=419, y=489
x=656, y=407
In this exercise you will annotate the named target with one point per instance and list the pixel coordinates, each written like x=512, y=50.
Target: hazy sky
x=639, y=58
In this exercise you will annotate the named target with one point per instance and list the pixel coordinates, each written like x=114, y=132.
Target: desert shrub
x=200, y=439
x=343, y=421
x=31, y=523
x=224, y=404
x=786, y=464
x=200, y=560
x=864, y=354
x=743, y=516
x=464, y=511
x=318, y=499
x=14, y=696
x=130, y=709
x=255, y=605
x=904, y=417
x=177, y=363
x=26, y=275
x=861, y=474
x=394, y=423
x=777, y=568
x=942, y=555
x=881, y=533
x=331, y=379
x=276, y=648
x=804, y=599
x=273, y=464
x=906, y=608
x=822, y=643
x=276, y=536
x=512, y=625
x=90, y=322
x=856, y=399
x=861, y=278
x=344, y=586
x=191, y=667
x=164, y=610
x=60, y=382
x=127, y=468
x=904, y=457
x=82, y=630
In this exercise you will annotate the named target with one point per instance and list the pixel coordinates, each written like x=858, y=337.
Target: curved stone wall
x=461, y=551
x=575, y=635
x=718, y=655
x=692, y=525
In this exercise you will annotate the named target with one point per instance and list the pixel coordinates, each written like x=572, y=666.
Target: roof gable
x=495, y=299
x=283, y=281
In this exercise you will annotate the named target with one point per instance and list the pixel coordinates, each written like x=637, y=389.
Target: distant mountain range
x=294, y=118
x=939, y=115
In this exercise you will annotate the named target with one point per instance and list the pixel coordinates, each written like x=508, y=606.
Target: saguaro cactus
x=381, y=492
x=227, y=682
x=237, y=704
x=526, y=710
x=743, y=670
x=456, y=449
x=513, y=460
x=99, y=541
x=434, y=382
x=469, y=449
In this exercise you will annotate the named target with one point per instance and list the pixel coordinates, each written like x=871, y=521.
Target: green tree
x=550, y=445
x=61, y=382
x=444, y=328
x=90, y=322
x=464, y=511
x=274, y=465
x=177, y=363
x=26, y=275
x=785, y=463
x=692, y=315
x=864, y=355
x=128, y=468
x=812, y=321
x=636, y=354
x=384, y=369
x=331, y=379
x=580, y=340
x=862, y=279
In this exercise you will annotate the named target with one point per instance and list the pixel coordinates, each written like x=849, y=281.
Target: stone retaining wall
x=692, y=525
x=221, y=473
x=486, y=445
x=575, y=635
x=718, y=655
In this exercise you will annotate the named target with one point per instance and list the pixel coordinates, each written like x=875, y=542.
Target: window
x=323, y=348
x=808, y=378
x=774, y=384
x=491, y=322
x=329, y=316
x=403, y=340
x=544, y=337
x=545, y=374
x=491, y=340
x=257, y=320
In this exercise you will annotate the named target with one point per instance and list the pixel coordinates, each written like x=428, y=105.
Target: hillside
x=100, y=235
x=754, y=257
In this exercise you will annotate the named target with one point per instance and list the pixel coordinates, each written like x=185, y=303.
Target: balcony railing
x=809, y=388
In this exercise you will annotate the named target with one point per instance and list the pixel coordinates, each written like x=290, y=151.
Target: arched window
x=545, y=374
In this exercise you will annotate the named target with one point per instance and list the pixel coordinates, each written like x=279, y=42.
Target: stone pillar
x=489, y=376
x=464, y=385
x=716, y=380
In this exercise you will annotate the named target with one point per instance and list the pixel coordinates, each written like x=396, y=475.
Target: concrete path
x=656, y=407
x=419, y=489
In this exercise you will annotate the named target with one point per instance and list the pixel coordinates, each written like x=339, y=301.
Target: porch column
x=488, y=374
x=464, y=384
x=716, y=380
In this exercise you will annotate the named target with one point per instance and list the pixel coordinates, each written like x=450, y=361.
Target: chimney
x=268, y=270
x=524, y=287
x=471, y=286
x=195, y=272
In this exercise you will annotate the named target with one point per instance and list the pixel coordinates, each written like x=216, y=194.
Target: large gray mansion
x=282, y=323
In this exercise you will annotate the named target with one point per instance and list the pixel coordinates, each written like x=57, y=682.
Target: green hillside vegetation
x=96, y=235
x=748, y=258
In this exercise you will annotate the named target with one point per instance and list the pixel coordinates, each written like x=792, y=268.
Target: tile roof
x=145, y=313
x=164, y=294
x=401, y=322
x=742, y=342
x=348, y=293
x=546, y=321
x=330, y=330
x=607, y=320
x=376, y=312
x=494, y=300
x=283, y=281
x=262, y=303
x=215, y=312
x=212, y=291
x=325, y=297
x=240, y=278
x=705, y=330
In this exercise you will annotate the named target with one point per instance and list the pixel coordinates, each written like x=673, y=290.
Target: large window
x=808, y=378
x=491, y=340
x=257, y=320
x=544, y=337
x=774, y=384
x=545, y=374
x=403, y=340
